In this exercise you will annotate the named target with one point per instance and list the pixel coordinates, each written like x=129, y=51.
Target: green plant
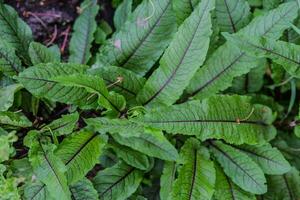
x=172, y=106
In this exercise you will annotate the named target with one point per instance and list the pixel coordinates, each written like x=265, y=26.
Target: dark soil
x=51, y=20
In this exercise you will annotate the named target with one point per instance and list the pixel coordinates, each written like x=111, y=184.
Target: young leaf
x=40, y=54
x=83, y=190
x=39, y=80
x=14, y=120
x=7, y=95
x=232, y=15
x=183, y=57
x=80, y=152
x=227, y=190
x=183, y=9
x=62, y=126
x=10, y=64
x=152, y=143
x=270, y=159
x=280, y=52
x=117, y=182
x=14, y=30
x=83, y=35
x=240, y=168
x=142, y=39
x=232, y=118
x=228, y=62
x=197, y=176
x=122, y=13
x=167, y=180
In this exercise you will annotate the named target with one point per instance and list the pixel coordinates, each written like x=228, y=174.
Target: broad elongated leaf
x=183, y=8
x=40, y=54
x=83, y=35
x=117, y=182
x=232, y=15
x=232, y=118
x=36, y=191
x=152, y=143
x=228, y=62
x=142, y=39
x=120, y=80
x=39, y=80
x=270, y=160
x=7, y=96
x=283, y=53
x=167, y=179
x=197, y=176
x=62, y=126
x=122, y=13
x=14, y=120
x=181, y=60
x=14, y=30
x=80, y=153
x=240, y=168
x=227, y=190
x=10, y=64
x=83, y=190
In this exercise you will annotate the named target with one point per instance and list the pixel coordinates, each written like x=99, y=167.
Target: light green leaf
x=228, y=62
x=142, y=39
x=80, y=152
x=232, y=15
x=167, y=180
x=122, y=13
x=39, y=80
x=183, y=57
x=6, y=144
x=152, y=143
x=14, y=30
x=10, y=64
x=227, y=190
x=240, y=168
x=183, y=8
x=83, y=35
x=14, y=120
x=83, y=190
x=7, y=95
x=232, y=118
x=41, y=54
x=197, y=176
x=117, y=182
x=270, y=159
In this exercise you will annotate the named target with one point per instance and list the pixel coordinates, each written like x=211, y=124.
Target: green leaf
x=62, y=126
x=196, y=178
x=232, y=118
x=130, y=156
x=117, y=182
x=122, y=13
x=83, y=35
x=183, y=8
x=10, y=64
x=232, y=15
x=280, y=52
x=167, y=180
x=152, y=143
x=285, y=187
x=270, y=159
x=129, y=85
x=36, y=191
x=40, y=54
x=14, y=120
x=95, y=85
x=80, y=152
x=227, y=190
x=142, y=39
x=49, y=169
x=6, y=144
x=83, y=190
x=7, y=95
x=183, y=57
x=39, y=80
x=240, y=168
x=15, y=31
x=228, y=61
